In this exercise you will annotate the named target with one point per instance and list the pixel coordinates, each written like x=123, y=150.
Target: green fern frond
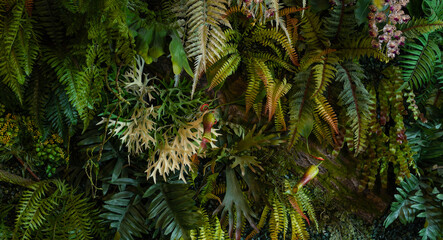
x=262, y=35
x=324, y=73
x=311, y=31
x=419, y=60
x=341, y=23
x=267, y=57
x=173, y=209
x=274, y=92
x=51, y=209
x=254, y=84
x=357, y=47
x=434, y=9
x=321, y=130
x=227, y=69
x=356, y=99
x=305, y=201
x=289, y=10
x=260, y=224
x=301, y=106
x=126, y=214
x=324, y=109
x=419, y=26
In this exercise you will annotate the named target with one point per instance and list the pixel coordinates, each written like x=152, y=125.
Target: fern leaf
x=229, y=67
x=311, y=31
x=173, y=209
x=260, y=224
x=205, y=36
x=419, y=26
x=401, y=207
x=341, y=22
x=274, y=92
x=125, y=213
x=355, y=98
x=301, y=105
x=263, y=35
x=357, y=47
x=324, y=72
x=419, y=61
x=326, y=112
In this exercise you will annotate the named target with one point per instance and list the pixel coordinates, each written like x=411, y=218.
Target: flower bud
x=308, y=176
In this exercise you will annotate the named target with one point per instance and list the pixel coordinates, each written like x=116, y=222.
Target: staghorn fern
x=356, y=99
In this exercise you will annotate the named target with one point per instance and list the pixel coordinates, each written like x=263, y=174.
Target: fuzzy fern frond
x=419, y=60
x=357, y=47
x=419, y=26
x=205, y=36
x=324, y=109
x=356, y=99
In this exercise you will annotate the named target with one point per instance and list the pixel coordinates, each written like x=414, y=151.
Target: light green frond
x=324, y=72
x=357, y=47
x=416, y=27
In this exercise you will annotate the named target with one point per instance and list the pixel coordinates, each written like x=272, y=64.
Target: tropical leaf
x=173, y=209
x=356, y=99
x=418, y=62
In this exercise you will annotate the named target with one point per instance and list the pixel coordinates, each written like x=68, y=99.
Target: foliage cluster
x=94, y=99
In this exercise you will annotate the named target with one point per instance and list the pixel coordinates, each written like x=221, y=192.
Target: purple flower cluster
x=391, y=36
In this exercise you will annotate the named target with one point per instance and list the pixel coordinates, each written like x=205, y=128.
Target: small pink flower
x=405, y=18
x=375, y=43
x=404, y=2
x=373, y=33
x=395, y=7
x=388, y=28
x=380, y=17
x=373, y=8
x=371, y=16
x=401, y=41
x=397, y=34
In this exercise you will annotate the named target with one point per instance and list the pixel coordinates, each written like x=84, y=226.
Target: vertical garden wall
x=217, y=119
